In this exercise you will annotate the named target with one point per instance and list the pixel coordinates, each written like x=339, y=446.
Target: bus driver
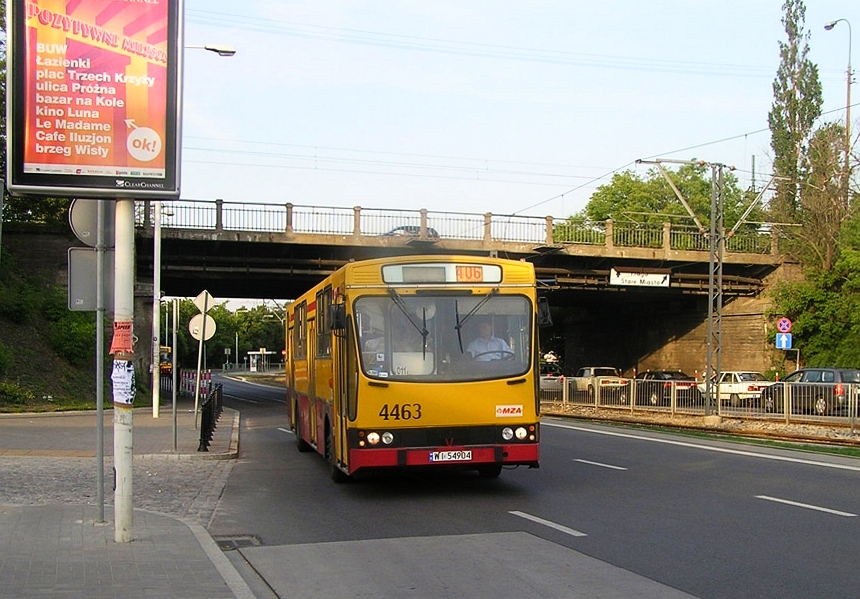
x=487, y=347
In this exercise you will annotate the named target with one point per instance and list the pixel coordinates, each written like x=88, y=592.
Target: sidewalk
x=60, y=550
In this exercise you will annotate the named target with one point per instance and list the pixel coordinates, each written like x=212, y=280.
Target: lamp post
x=220, y=50
x=828, y=27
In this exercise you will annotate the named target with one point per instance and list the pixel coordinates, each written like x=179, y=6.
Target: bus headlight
x=373, y=438
x=521, y=433
x=507, y=433
x=387, y=438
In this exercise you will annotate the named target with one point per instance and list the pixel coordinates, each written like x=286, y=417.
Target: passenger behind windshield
x=488, y=347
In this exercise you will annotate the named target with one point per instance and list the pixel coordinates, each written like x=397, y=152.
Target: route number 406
x=406, y=411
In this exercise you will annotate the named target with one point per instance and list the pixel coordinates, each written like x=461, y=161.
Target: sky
x=474, y=106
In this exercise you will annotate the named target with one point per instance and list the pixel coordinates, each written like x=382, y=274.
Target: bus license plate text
x=450, y=456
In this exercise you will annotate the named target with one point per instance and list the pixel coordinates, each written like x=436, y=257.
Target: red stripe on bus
x=378, y=458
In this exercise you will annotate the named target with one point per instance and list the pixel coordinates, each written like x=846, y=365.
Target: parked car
x=654, y=387
x=605, y=380
x=551, y=377
x=412, y=231
x=738, y=387
x=820, y=391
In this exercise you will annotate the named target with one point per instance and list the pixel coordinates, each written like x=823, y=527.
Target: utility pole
x=716, y=244
x=122, y=375
x=715, y=290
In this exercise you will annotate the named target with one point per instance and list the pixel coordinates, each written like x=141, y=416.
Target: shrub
x=71, y=334
x=7, y=358
x=18, y=304
x=13, y=394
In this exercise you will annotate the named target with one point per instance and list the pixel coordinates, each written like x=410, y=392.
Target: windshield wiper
x=420, y=327
x=471, y=313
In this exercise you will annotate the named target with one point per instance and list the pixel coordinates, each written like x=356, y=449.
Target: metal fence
x=788, y=402
x=210, y=411
x=219, y=215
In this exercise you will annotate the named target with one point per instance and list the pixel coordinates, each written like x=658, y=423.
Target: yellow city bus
x=165, y=360
x=386, y=365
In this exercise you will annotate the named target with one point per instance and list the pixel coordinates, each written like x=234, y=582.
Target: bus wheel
x=337, y=475
x=492, y=471
x=301, y=444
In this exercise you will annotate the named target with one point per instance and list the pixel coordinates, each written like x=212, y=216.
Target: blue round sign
x=783, y=325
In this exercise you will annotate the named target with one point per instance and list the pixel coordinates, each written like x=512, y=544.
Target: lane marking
x=285, y=430
x=807, y=506
x=237, y=398
x=599, y=464
x=564, y=529
x=751, y=454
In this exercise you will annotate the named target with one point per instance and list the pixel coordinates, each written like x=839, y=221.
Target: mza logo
x=508, y=411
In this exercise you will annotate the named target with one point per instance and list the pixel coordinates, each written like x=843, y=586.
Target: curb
x=232, y=452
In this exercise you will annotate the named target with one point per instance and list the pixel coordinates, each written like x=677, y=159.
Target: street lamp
x=828, y=27
x=220, y=50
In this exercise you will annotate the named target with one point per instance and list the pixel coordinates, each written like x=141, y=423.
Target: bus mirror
x=544, y=316
x=338, y=317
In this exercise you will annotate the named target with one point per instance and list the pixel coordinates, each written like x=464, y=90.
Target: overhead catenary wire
x=447, y=167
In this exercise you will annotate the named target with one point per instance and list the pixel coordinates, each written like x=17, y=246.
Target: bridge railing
x=288, y=218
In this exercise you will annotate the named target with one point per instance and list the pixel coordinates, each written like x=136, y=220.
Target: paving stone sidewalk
x=55, y=546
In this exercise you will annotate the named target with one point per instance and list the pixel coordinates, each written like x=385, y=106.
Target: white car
x=603, y=381
x=738, y=387
x=551, y=377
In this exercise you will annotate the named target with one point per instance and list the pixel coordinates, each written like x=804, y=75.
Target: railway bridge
x=626, y=294
x=279, y=250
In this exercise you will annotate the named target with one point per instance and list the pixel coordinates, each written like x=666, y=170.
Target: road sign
x=783, y=341
x=195, y=327
x=83, y=280
x=204, y=301
x=83, y=216
x=783, y=325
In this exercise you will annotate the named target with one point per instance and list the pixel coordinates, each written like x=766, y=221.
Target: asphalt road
x=614, y=511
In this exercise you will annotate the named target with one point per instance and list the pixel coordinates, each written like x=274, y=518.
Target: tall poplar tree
x=797, y=100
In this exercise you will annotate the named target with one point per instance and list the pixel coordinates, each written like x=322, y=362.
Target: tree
x=823, y=212
x=825, y=307
x=797, y=100
x=629, y=196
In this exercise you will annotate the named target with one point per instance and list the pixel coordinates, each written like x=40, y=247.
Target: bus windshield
x=444, y=337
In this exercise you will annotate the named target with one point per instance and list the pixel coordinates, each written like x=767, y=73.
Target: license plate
x=450, y=456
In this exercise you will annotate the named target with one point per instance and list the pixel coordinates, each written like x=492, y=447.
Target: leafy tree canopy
x=650, y=199
x=825, y=307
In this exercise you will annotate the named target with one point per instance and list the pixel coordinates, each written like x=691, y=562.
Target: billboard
x=94, y=97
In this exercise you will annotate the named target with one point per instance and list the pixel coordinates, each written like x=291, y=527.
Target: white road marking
x=807, y=506
x=285, y=430
x=778, y=458
x=237, y=398
x=563, y=529
x=599, y=464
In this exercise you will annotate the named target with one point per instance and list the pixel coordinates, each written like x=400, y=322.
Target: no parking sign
x=783, y=325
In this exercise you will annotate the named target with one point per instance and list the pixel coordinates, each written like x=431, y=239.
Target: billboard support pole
x=100, y=361
x=156, y=311
x=123, y=370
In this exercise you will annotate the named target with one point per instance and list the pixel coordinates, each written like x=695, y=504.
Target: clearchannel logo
x=124, y=184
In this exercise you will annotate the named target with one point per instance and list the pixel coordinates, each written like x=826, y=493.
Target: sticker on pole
x=122, y=338
x=122, y=378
